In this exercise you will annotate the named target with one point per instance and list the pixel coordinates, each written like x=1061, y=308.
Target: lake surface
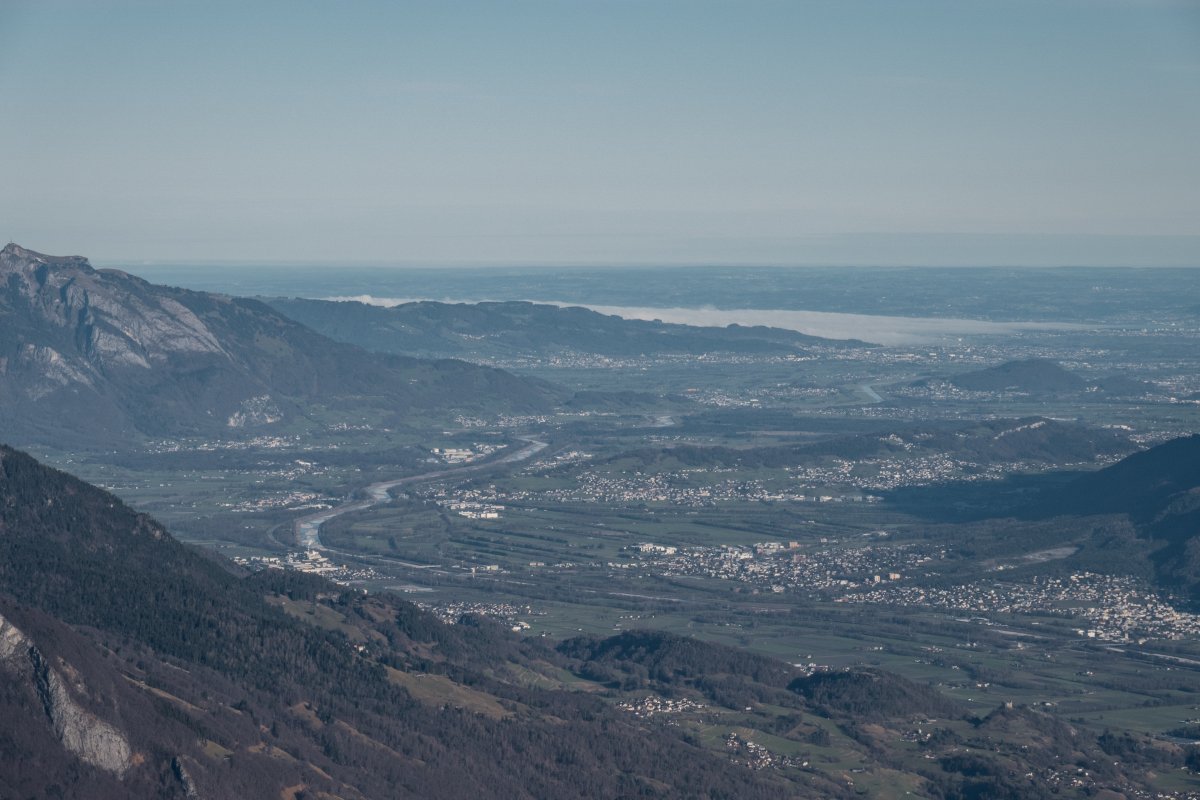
x=874, y=328
x=886, y=305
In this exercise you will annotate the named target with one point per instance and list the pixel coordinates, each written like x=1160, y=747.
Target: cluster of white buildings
x=451, y=612
x=755, y=756
x=294, y=500
x=784, y=566
x=653, y=705
x=464, y=455
x=691, y=488
x=472, y=510
x=1112, y=608
x=311, y=561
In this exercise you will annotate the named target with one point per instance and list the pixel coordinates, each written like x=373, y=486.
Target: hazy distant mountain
x=100, y=354
x=518, y=329
x=1031, y=375
x=1041, y=376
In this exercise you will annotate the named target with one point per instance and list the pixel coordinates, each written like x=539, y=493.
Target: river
x=308, y=529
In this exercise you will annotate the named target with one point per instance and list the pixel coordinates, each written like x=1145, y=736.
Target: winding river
x=308, y=529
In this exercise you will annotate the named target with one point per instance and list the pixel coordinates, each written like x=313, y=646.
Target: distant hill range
x=502, y=330
x=1041, y=376
x=101, y=354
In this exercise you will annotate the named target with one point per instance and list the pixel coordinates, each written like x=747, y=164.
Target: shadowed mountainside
x=1159, y=490
x=1154, y=494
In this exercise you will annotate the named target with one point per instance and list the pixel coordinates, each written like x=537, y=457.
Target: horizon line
x=117, y=263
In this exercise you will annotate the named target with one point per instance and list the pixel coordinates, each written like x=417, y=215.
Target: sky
x=563, y=132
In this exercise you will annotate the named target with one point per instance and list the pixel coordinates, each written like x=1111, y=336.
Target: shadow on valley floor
x=1021, y=496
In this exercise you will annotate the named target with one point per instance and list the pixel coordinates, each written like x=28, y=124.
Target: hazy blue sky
x=576, y=131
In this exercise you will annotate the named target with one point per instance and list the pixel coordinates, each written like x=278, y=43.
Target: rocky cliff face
x=104, y=319
x=81, y=344
x=87, y=353
x=82, y=733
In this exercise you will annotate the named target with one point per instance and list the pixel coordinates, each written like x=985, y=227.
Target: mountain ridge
x=521, y=329
x=107, y=354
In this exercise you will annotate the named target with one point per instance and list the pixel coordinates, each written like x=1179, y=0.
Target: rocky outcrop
x=82, y=733
x=12, y=642
x=185, y=779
